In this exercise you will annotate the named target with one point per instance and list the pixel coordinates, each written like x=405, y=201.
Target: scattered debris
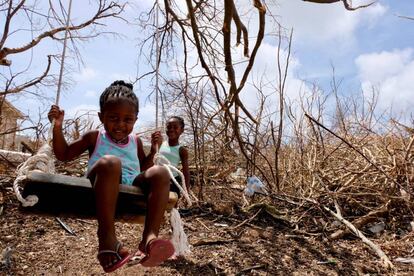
x=270, y=210
x=249, y=269
x=6, y=257
x=212, y=242
x=254, y=185
x=405, y=260
x=238, y=175
x=330, y=261
x=384, y=258
x=221, y=224
x=377, y=228
x=66, y=227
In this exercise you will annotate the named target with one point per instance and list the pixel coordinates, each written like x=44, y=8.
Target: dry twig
x=384, y=258
x=361, y=221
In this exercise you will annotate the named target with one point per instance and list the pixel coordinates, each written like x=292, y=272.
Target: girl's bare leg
x=106, y=172
x=157, y=182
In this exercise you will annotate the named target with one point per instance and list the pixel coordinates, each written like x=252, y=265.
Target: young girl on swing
x=117, y=156
x=176, y=153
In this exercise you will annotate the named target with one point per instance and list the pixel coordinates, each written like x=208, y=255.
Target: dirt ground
x=225, y=241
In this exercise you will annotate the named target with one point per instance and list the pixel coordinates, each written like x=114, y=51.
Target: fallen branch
x=359, y=222
x=66, y=227
x=247, y=220
x=384, y=258
x=248, y=269
x=270, y=210
x=212, y=242
x=205, y=226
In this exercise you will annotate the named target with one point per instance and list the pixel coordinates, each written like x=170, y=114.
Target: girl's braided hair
x=118, y=90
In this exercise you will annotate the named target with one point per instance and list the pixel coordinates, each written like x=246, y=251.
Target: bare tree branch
x=347, y=3
x=100, y=14
x=30, y=83
x=406, y=17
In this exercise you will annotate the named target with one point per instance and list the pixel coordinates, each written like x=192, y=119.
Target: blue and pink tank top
x=126, y=152
x=172, y=153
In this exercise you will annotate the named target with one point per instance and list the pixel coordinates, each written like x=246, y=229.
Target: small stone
x=8, y=238
x=267, y=234
x=253, y=233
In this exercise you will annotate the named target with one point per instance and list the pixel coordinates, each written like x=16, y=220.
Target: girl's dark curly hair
x=118, y=90
x=179, y=119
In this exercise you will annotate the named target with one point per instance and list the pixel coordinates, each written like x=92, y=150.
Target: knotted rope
x=161, y=160
x=43, y=159
x=179, y=238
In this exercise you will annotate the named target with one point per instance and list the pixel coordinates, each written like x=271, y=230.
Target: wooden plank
x=82, y=182
x=68, y=196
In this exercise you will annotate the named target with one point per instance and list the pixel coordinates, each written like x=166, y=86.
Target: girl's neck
x=173, y=143
x=123, y=141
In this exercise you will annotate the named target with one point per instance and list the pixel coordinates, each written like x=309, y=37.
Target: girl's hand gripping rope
x=156, y=141
x=56, y=114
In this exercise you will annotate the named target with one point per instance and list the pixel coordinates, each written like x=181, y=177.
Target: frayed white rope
x=161, y=160
x=179, y=238
x=43, y=162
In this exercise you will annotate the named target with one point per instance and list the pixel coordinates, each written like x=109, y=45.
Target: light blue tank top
x=172, y=153
x=127, y=153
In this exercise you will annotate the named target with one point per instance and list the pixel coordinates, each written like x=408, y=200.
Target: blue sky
x=369, y=47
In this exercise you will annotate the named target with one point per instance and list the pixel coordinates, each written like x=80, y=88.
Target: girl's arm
x=141, y=153
x=147, y=161
x=64, y=151
x=184, y=164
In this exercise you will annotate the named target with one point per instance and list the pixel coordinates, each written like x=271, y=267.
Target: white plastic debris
x=377, y=228
x=254, y=185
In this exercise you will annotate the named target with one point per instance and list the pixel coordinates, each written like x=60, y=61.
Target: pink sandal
x=120, y=260
x=157, y=251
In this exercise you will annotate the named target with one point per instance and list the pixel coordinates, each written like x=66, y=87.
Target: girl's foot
x=112, y=259
x=156, y=252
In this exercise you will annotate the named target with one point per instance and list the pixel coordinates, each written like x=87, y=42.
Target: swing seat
x=69, y=196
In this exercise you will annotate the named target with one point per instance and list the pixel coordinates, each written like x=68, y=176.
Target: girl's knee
x=160, y=173
x=110, y=162
x=163, y=172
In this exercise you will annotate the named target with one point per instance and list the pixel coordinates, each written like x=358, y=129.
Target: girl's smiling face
x=174, y=129
x=118, y=118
